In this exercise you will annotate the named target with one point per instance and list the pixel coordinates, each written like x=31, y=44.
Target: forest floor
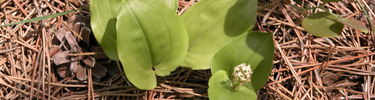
x=39, y=61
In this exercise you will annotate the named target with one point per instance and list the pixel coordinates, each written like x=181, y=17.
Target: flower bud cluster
x=242, y=74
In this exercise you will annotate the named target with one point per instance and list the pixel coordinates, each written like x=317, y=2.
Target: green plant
x=149, y=35
x=103, y=24
x=145, y=42
x=212, y=24
x=254, y=49
x=144, y=35
x=327, y=24
x=104, y=18
x=149, y=38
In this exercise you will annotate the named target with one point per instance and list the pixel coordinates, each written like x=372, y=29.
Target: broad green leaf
x=41, y=18
x=353, y=24
x=220, y=88
x=171, y=4
x=256, y=49
x=322, y=24
x=150, y=35
x=327, y=1
x=115, y=6
x=211, y=24
x=103, y=24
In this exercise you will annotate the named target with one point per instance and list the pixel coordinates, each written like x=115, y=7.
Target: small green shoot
x=326, y=24
x=323, y=24
x=41, y=18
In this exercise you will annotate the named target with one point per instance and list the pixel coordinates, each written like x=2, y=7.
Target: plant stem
x=368, y=17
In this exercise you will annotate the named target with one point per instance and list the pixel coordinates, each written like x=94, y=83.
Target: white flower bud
x=242, y=73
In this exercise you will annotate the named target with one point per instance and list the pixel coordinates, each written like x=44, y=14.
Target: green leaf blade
x=323, y=24
x=354, y=24
x=41, y=18
x=173, y=4
x=149, y=35
x=220, y=88
x=103, y=23
x=211, y=24
x=256, y=49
